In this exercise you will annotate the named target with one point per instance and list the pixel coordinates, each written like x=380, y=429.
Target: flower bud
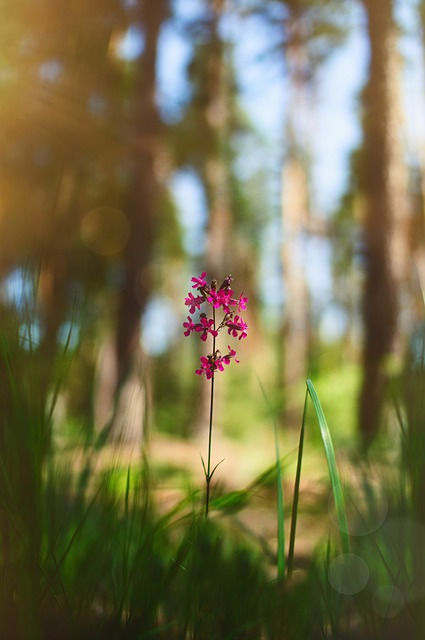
x=226, y=282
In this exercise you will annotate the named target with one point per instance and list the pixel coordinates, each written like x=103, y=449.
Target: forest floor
x=176, y=470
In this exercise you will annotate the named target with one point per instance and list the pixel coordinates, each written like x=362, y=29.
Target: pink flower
x=199, y=282
x=237, y=326
x=189, y=326
x=212, y=363
x=193, y=303
x=213, y=298
x=232, y=354
x=242, y=303
x=226, y=282
x=220, y=298
x=207, y=366
x=206, y=326
x=219, y=363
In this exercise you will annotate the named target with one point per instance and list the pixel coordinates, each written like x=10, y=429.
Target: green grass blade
x=231, y=502
x=280, y=511
x=296, y=492
x=332, y=467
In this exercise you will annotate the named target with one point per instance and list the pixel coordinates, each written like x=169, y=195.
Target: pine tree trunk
x=385, y=229
x=129, y=371
x=296, y=325
x=216, y=174
x=295, y=216
x=218, y=257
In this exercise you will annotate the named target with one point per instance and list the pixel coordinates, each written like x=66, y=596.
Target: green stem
x=208, y=474
x=294, y=514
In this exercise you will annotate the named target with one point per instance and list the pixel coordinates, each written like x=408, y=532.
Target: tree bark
x=385, y=235
x=141, y=205
x=219, y=257
x=129, y=372
x=216, y=173
x=296, y=324
x=295, y=215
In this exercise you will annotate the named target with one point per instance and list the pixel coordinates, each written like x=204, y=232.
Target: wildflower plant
x=214, y=298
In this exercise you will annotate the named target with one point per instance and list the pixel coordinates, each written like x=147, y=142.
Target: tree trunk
x=216, y=175
x=127, y=374
x=295, y=215
x=296, y=326
x=385, y=231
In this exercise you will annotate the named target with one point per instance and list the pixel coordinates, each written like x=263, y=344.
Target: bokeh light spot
x=348, y=574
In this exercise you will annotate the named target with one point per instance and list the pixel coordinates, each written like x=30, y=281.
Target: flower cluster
x=217, y=297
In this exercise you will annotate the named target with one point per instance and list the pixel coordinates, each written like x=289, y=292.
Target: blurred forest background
x=146, y=141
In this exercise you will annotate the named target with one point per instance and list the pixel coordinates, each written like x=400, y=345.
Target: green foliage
x=332, y=466
x=90, y=551
x=219, y=585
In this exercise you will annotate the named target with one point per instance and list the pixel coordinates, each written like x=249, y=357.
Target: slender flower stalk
x=216, y=298
x=208, y=474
